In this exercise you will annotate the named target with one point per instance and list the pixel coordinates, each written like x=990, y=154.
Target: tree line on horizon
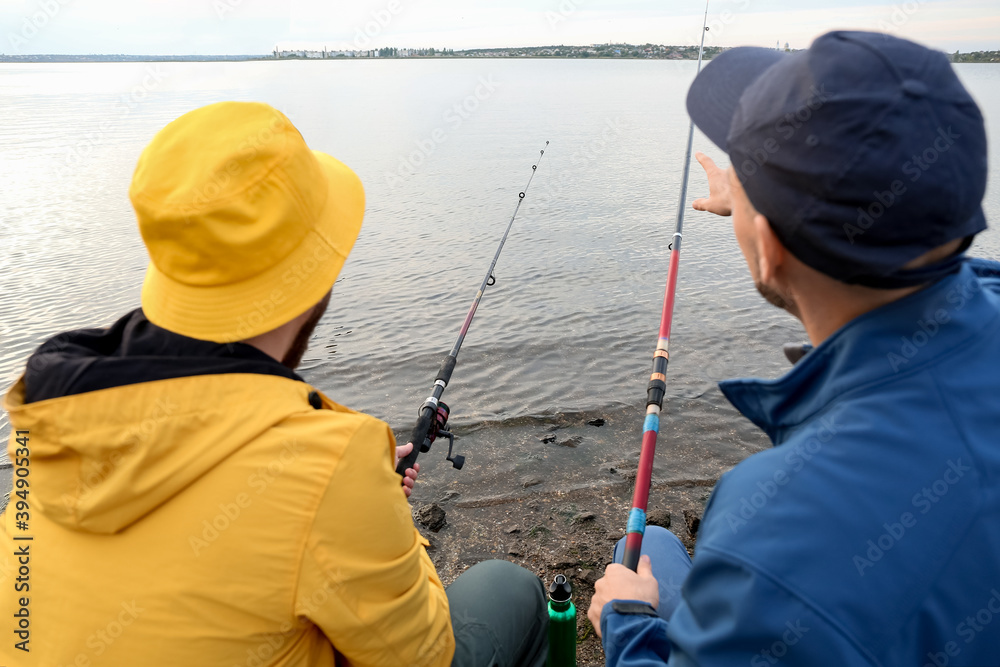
x=656, y=51
x=976, y=57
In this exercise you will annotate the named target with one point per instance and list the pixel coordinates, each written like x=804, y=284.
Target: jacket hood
x=122, y=419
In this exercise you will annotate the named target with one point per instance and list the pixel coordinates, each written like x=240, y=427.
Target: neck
x=277, y=342
x=825, y=305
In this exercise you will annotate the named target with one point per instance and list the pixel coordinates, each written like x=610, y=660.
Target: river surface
x=443, y=148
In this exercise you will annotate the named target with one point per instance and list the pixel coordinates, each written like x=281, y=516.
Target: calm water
x=570, y=325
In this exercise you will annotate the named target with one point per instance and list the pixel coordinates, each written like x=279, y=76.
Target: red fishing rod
x=433, y=416
x=658, y=380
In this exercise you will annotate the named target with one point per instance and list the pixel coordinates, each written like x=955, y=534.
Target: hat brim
x=716, y=91
x=238, y=311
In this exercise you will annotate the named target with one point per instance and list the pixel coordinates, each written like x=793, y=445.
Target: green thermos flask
x=562, y=624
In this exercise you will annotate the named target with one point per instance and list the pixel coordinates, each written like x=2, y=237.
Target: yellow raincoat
x=214, y=520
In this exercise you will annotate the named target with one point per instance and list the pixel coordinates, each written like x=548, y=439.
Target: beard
x=777, y=299
x=293, y=357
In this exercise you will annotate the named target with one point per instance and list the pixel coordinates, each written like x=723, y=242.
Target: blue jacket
x=870, y=533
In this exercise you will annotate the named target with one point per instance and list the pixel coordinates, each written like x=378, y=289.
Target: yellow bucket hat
x=246, y=227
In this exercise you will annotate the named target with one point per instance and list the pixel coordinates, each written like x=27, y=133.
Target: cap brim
x=237, y=311
x=716, y=91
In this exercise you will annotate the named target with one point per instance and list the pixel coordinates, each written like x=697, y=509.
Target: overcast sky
x=257, y=26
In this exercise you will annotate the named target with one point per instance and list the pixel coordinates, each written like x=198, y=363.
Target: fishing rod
x=433, y=416
x=658, y=380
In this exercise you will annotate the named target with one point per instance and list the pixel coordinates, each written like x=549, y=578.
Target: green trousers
x=500, y=617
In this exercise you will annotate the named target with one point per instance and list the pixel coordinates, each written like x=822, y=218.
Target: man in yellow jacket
x=182, y=497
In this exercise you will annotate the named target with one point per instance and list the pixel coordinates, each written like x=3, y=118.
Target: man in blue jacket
x=870, y=533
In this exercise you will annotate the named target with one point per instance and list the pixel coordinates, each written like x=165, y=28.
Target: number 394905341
x=22, y=462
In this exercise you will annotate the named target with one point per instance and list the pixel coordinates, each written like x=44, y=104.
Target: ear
x=771, y=253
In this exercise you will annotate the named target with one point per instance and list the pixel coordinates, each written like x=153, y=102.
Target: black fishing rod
x=433, y=418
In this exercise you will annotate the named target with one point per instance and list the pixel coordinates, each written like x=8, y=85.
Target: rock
x=431, y=516
x=514, y=552
x=597, y=422
x=512, y=530
x=693, y=521
x=547, y=438
x=449, y=495
x=533, y=505
x=570, y=442
x=659, y=518
x=587, y=576
x=584, y=517
x=528, y=482
x=563, y=565
x=538, y=530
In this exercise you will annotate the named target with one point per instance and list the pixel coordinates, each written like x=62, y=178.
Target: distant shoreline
x=609, y=50
x=982, y=57
x=154, y=59
x=181, y=59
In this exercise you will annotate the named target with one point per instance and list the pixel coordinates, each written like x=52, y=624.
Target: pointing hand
x=718, y=201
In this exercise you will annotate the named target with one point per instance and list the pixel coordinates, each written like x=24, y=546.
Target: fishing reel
x=438, y=425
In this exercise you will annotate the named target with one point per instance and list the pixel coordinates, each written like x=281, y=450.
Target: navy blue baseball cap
x=863, y=152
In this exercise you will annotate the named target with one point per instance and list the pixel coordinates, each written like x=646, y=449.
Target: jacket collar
x=898, y=339
x=131, y=351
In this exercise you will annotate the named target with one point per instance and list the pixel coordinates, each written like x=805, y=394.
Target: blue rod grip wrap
x=636, y=521
x=652, y=423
